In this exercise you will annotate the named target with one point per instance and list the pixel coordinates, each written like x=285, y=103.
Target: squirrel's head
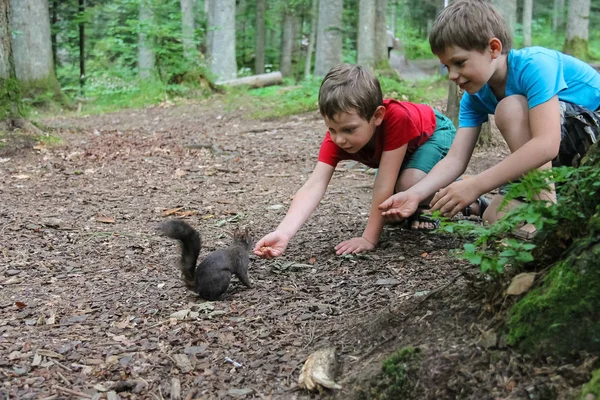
x=242, y=238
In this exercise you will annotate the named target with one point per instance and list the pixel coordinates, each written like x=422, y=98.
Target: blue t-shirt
x=538, y=74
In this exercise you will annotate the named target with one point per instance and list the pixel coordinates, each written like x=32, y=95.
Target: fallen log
x=255, y=81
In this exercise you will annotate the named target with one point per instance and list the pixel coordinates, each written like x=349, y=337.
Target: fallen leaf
x=20, y=304
x=318, y=371
x=521, y=283
x=387, y=282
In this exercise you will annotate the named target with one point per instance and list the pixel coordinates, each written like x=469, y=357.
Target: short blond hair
x=469, y=24
x=347, y=88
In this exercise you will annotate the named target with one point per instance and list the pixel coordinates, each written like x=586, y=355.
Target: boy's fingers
x=386, y=204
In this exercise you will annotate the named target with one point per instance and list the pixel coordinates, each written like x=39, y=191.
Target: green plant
x=494, y=246
x=397, y=378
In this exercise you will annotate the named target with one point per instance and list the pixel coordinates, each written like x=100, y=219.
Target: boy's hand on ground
x=271, y=246
x=353, y=246
x=399, y=206
x=455, y=197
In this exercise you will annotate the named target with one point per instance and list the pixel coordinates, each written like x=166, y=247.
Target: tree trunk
x=285, y=60
x=188, y=29
x=32, y=47
x=508, y=9
x=146, y=57
x=393, y=17
x=453, y=103
x=222, y=61
x=557, y=15
x=9, y=90
x=261, y=33
x=311, y=40
x=81, y=45
x=576, y=41
x=381, y=56
x=329, y=36
x=365, y=54
x=527, y=16
x=256, y=81
x=53, y=22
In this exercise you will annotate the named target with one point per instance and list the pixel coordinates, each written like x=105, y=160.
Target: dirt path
x=91, y=303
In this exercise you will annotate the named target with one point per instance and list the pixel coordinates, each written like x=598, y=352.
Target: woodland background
x=157, y=66
x=136, y=52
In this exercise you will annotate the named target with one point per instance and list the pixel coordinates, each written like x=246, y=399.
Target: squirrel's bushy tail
x=190, y=248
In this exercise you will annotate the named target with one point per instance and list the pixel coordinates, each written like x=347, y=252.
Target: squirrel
x=210, y=279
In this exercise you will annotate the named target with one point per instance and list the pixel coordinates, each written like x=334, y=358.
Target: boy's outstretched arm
x=305, y=201
x=387, y=175
x=529, y=151
x=404, y=204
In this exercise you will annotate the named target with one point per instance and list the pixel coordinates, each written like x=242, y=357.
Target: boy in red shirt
x=403, y=140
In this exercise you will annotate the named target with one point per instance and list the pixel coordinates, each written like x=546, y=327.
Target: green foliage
x=397, y=378
x=495, y=246
x=10, y=99
x=592, y=387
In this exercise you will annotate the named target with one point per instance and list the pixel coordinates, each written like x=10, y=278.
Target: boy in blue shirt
x=536, y=94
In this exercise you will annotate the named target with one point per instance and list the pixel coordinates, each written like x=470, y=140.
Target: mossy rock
x=562, y=316
x=592, y=387
x=397, y=379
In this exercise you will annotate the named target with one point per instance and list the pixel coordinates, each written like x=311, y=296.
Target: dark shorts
x=579, y=130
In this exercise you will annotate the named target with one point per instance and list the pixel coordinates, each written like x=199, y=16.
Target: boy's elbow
x=551, y=150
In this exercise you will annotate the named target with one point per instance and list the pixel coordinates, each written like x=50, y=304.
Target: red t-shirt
x=403, y=123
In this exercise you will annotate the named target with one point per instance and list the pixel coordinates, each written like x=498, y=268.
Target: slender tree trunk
x=329, y=36
x=453, y=103
x=53, y=22
x=557, y=15
x=146, y=57
x=508, y=9
x=223, y=63
x=261, y=37
x=81, y=45
x=296, y=41
x=208, y=11
x=576, y=41
x=285, y=60
x=393, y=17
x=241, y=9
x=188, y=28
x=365, y=54
x=527, y=16
x=9, y=89
x=381, y=55
x=311, y=40
x=32, y=47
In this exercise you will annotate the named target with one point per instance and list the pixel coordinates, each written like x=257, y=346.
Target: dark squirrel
x=210, y=279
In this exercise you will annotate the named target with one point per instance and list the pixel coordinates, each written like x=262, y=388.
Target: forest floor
x=91, y=304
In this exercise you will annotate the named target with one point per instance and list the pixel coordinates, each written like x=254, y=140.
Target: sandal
x=420, y=217
x=483, y=205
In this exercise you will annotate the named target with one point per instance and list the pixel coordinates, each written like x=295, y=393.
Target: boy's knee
x=408, y=178
x=511, y=110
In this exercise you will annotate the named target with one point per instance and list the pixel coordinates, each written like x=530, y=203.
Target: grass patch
x=281, y=101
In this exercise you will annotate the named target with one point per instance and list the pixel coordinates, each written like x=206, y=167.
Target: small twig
x=73, y=392
x=155, y=325
x=62, y=366
x=65, y=380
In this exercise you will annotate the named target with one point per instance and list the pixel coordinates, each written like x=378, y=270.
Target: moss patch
x=397, y=378
x=562, y=315
x=593, y=386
